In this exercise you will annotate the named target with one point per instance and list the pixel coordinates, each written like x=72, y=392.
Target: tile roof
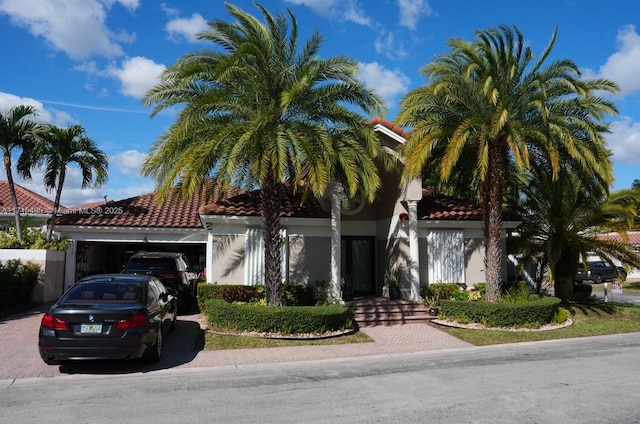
x=634, y=237
x=30, y=203
x=139, y=211
x=378, y=120
x=248, y=204
x=435, y=206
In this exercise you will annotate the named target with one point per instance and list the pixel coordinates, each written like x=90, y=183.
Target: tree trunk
x=14, y=197
x=493, y=189
x=271, y=200
x=56, y=205
x=564, y=274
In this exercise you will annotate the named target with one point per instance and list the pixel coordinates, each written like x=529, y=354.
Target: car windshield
x=150, y=264
x=105, y=291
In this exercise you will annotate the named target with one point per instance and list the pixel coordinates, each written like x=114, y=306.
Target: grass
x=595, y=319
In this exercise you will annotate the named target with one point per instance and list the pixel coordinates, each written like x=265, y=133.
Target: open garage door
x=97, y=257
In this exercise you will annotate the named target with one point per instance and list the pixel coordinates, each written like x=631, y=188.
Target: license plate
x=91, y=328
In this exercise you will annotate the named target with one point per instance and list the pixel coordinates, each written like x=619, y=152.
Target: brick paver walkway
x=19, y=356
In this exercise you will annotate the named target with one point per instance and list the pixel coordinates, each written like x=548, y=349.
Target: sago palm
x=257, y=110
x=490, y=97
x=563, y=221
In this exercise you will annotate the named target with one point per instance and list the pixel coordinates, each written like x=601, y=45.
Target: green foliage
x=560, y=316
x=440, y=290
x=511, y=312
x=32, y=238
x=285, y=320
x=293, y=294
x=17, y=282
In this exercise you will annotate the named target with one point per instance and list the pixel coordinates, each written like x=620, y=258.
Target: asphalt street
x=587, y=380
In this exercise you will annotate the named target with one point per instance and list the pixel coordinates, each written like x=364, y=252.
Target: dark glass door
x=357, y=264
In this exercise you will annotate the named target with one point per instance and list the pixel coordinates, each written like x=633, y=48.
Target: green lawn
x=224, y=341
x=588, y=320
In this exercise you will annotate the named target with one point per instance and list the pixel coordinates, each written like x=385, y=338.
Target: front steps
x=372, y=311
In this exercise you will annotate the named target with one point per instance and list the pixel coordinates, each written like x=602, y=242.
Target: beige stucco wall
x=228, y=259
x=309, y=259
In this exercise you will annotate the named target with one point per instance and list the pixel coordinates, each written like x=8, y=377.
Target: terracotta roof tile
x=634, y=237
x=378, y=120
x=248, y=204
x=29, y=202
x=139, y=211
x=434, y=206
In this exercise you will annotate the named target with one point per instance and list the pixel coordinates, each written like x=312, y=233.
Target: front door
x=358, y=264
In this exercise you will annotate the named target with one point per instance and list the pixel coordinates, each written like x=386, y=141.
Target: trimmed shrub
x=293, y=294
x=284, y=320
x=17, y=283
x=533, y=312
x=440, y=291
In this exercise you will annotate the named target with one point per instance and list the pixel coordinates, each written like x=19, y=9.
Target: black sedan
x=112, y=316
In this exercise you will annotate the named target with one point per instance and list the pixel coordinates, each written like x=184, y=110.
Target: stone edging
x=478, y=326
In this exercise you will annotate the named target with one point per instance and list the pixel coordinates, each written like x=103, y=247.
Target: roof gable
x=30, y=203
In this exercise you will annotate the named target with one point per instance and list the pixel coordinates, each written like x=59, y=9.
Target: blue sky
x=89, y=62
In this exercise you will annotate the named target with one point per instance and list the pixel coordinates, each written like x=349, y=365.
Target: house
x=422, y=236
x=34, y=208
x=425, y=237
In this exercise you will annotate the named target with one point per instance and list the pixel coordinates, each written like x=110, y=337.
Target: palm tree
x=16, y=132
x=490, y=98
x=58, y=148
x=259, y=111
x=563, y=221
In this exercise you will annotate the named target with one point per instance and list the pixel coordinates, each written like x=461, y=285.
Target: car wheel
x=597, y=279
x=156, y=352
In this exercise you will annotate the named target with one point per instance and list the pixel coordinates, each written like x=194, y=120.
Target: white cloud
x=389, y=84
x=412, y=10
x=45, y=115
x=348, y=10
x=76, y=27
x=623, y=66
x=624, y=140
x=137, y=75
x=186, y=28
x=128, y=162
x=387, y=44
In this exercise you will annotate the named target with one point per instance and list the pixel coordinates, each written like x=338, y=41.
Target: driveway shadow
x=181, y=346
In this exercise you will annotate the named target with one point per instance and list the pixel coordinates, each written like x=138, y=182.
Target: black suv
x=599, y=272
x=173, y=269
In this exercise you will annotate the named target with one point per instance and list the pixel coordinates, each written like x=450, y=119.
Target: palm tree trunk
x=271, y=200
x=56, y=205
x=14, y=197
x=493, y=191
x=564, y=274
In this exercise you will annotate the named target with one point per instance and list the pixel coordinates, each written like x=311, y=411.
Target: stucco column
x=335, y=286
x=414, y=250
x=208, y=259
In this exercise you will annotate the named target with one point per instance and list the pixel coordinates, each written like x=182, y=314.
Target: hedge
x=535, y=312
x=293, y=294
x=17, y=283
x=285, y=320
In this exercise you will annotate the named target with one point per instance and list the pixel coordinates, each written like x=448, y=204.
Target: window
x=446, y=256
x=254, y=256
